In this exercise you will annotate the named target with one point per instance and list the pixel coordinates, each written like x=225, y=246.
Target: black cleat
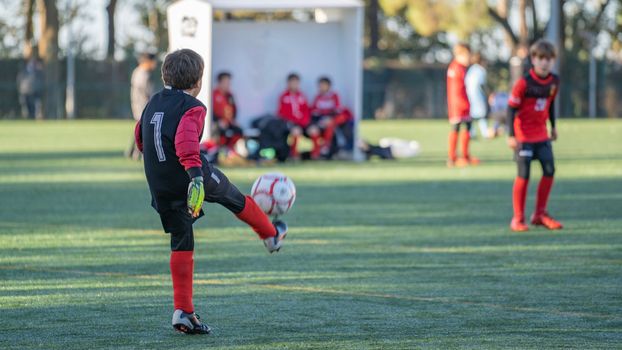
x=273, y=244
x=189, y=323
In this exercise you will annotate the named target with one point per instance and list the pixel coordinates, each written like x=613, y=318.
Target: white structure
x=260, y=55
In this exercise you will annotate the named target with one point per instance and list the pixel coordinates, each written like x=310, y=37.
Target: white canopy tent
x=260, y=54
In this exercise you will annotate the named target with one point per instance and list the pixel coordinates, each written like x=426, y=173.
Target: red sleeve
x=219, y=103
x=306, y=113
x=285, y=111
x=337, y=102
x=518, y=93
x=188, y=137
x=138, y=135
x=314, y=108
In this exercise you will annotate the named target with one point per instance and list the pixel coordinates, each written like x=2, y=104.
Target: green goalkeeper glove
x=196, y=195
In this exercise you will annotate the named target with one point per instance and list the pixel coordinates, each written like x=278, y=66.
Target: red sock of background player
x=182, y=268
x=254, y=217
x=316, y=150
x=465, y=139
x=327, y=136
x=519, y=196
x=453, y=141
x=293, y=148
x=544, y=189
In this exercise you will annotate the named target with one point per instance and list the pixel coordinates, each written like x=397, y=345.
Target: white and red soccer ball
x=274, y=193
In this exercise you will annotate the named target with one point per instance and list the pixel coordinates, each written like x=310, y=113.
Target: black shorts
x=542, y=151
x=178, y=222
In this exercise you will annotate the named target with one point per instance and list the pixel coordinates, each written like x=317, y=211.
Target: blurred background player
x=475, y=82
x=180, y=179
x=458, y=107
x=531, y=105
x=140, y=91
x=498, y=102
x=294, y=108
x=226, y=129
x=328, y=114
x=30, y=83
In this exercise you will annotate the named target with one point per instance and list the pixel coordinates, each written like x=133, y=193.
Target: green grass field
x=380, y=255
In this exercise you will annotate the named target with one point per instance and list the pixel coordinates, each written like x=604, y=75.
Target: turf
x=381, y=255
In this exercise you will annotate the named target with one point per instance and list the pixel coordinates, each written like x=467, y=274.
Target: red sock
x=544, y=189
x=293, y=148
x=466, y=137
x=316, y=150
x=519, y=197
x=182, y=268
x=254, y=217
x=453, y=140
x=222, y=140
x=329, y=132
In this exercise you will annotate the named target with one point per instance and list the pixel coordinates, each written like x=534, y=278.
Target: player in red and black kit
x=458, y=108
x=180, y=178
x=294, y=108
x=531, y=105
x=224, y=112
x=327, y=113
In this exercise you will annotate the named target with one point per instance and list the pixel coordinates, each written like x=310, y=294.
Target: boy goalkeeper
x=180, y=179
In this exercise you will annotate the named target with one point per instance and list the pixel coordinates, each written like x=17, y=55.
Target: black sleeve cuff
x=194, y=172
x=510, y=121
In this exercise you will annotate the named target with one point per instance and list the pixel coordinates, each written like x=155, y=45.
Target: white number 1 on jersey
x=157, y=135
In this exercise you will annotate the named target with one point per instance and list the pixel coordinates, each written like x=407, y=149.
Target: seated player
x=328, y=114
x=294, y=109
x=180, y=178
x=531, y=105
x=458, y=107
x=225, y=126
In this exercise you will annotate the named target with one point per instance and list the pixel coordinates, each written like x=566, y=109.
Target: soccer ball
x=274, y=193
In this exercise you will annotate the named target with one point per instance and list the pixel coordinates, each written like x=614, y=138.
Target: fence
x=102, y=89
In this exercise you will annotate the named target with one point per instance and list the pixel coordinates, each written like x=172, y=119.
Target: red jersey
x=221, y=102
x=326, y=104
x=533, y=96
x=293, y=107
x=458, y=108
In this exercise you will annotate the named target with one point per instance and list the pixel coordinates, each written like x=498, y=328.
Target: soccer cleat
x=518, y=225
x=189, y=323
x=462, y=162
x=473, y=160
x=547, y=221
x=451, y=163
x=273, y=244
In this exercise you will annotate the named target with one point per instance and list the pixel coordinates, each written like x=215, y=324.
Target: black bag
x=273, y=133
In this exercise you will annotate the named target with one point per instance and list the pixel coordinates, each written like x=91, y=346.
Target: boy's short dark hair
x=223, y=75
x=461, y=48
x=146, y=56
x=293, y=76
x=325, y=80
x=543, y=48
x=182, y=69
x=476, y=58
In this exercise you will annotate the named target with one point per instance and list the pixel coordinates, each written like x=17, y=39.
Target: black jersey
x=167, y=178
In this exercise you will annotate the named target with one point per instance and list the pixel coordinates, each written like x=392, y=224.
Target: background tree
x=110, y=12
x=48, y=51
x=461, y=18
x=29, y=7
